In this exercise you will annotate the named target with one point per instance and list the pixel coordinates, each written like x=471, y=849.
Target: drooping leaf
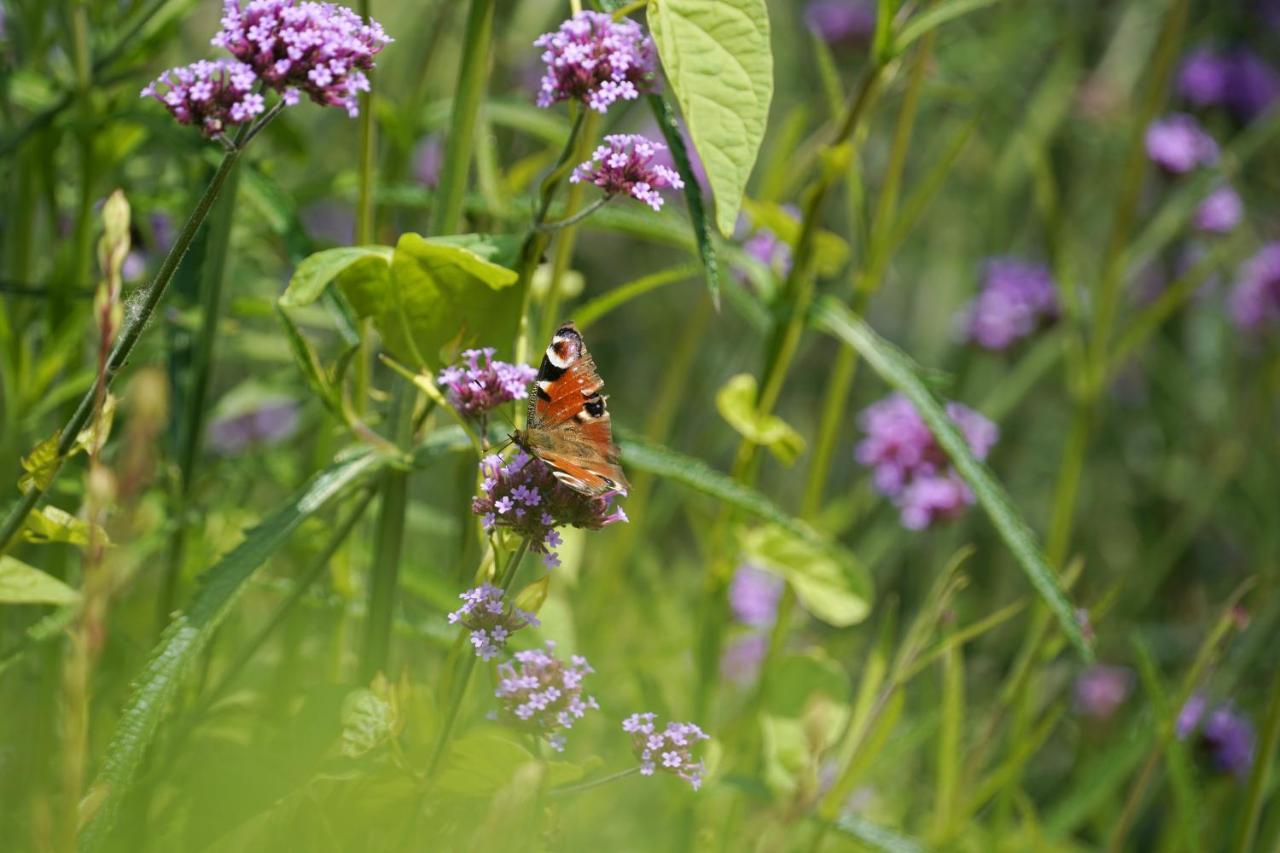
x=718, y=61
x=896, y=368
x=736, y=402
x=838, y=594
x=190, y=632
x=50, y=524
x=315, y=273
x=23, y=584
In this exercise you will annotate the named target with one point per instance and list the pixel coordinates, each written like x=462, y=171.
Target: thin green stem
x=594, y=783
x=473, y=77
x=575, y=218
x=1247, y=827
x=135, y=324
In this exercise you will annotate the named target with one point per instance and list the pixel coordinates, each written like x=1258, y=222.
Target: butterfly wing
x=568, y=419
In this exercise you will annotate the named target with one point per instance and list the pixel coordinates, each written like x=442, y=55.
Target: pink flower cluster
x=481, y=384
x=670, y=750
x=911, y=468
x=318, y=48
x=211, y=94
x=625, y=165
x=596, y=60
x=541, y=694
x=525, y=496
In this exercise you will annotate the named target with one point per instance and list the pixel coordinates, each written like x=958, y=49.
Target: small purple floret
x=670, y=749
x=596, y=60
x=213, y=95
x=1100, y=690
x=541, y=694
x=491, y=620
x=1220, y=212
x=1178, y=144
x=481, y=383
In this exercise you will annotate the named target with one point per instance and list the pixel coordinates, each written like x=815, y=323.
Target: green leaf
x=786, y=753
x=798, y=677
x=736, y=402
x=50, y=524
x=440, y=296
x=315, y=272
x=934, y=18
x=839, y=595
x=665, y=116
x=23, y=584
x=875, y=837
x=191, y=630
x=481, y=762
x=533, y=596
x=40, y=465
x=718, y=61
x=896, y=368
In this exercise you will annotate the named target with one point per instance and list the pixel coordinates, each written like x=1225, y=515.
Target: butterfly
x=567, y=425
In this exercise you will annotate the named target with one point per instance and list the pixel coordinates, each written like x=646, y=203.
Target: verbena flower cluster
x=271, y=421
x=541, y=694
x=481, y=383
x=212, y=94
x=1178, y=144
x=596, y=60
x=841, y=21
x=625, y=165
x=911, y=468
x=1220, y=212
x=670, y=750
x=525, y=496
x=491, y=620
x=1255, y=301
x=753, y=596
x=1101, y=689
x=318, y=48
x=1236, y=79
x=1223, y=738
x=1017, y=298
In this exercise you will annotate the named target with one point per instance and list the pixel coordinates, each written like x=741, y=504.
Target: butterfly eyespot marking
x=594, y=406
x=564, y=348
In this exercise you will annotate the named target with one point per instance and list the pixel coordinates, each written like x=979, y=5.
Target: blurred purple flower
x=541, y=694
x=1220, y=212
x=908, y=464
x=1177, y=144
x=270, y=422
x=320, y=49
x=753, y=596
x=490, y=619
x=211, y=94
x=162, y=232
x=525, y=496
x=741, y=659
x=428, y=160
x=625, y=165
x=482, y=383
x=670, y=749
x=841, y=21
x=596, y=60
x=1016, y=299
x=1100, y=690
x=1223, y=738
x=1237, y=79
x=134, y=267
x=1255, y=301
x=330, y=220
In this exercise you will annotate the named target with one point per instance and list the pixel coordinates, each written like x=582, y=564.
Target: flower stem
x=575, y=218
x=594, y=783
x=136, y=321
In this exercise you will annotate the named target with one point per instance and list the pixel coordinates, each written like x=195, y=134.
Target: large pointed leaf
x=190, y=632
x=896, y=368
x=718, y=60
x=23, y=584
x=316, y=271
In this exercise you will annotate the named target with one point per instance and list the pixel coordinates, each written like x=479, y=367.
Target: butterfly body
x=567, y=424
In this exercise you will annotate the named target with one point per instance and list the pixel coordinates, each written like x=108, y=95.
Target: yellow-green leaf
x=718, y=61
x=737, y=404
x=40, y=465
x=829, y=583
x=51, y=524
x=316, y=271
x=830, y=251
x=23, y=584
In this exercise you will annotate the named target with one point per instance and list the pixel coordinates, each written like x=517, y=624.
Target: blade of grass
x=1247, y=827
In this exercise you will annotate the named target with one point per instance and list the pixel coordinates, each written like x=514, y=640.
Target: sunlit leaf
x=839, y=595
x=830, y=251
x=315, y=273
x=736, y=402
x=50, y=524
x=719, y=63
x=40, y=465
x=23, y=584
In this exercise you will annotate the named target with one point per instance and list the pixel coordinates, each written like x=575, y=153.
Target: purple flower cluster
x=1017, y=298
x=670, y=749
x=596, y=60
x=1255, y=301
x=540, y=694
x=753, y=596
x=1236, y=79
x=910, y=467
x=1178, y=144
x=1100, y=690
x=1220, y=212
x=211, y=94
x=481, y=384
x=625, y=165
x=491, y=620
x=841, y=21
x=525, y=496
x=318, y=48
x=270, y=422
x=1223, y=738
